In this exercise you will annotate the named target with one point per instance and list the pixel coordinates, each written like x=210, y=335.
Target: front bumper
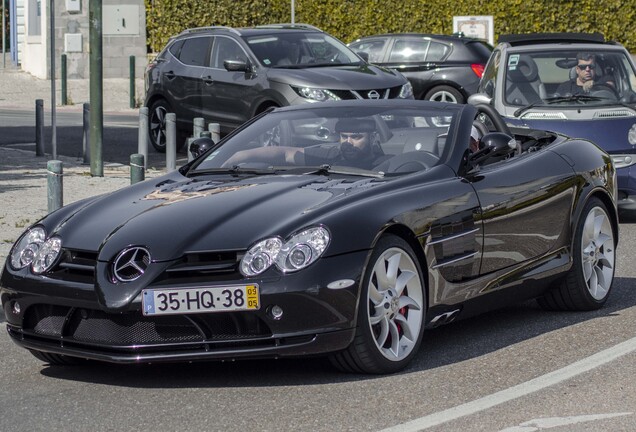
x=69, y=321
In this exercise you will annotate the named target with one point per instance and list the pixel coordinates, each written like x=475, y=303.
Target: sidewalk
x=20, y=90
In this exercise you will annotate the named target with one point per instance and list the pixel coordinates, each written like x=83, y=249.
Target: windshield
x=567, y=78
x=299, y=49
x=360, y=141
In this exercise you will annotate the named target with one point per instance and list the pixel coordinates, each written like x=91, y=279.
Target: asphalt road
x=515, y=370
x=120, y=135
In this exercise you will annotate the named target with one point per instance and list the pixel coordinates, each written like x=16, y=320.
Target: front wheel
x=588, y=283
x=391, y=313
x=157, y=126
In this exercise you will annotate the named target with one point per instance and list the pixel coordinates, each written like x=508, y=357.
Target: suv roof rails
x=289, y=25
x=538, y=38
x=200, y=29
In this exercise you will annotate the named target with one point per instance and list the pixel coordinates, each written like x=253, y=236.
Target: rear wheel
x=588, y=283
x=445, y=93
x=391, y=313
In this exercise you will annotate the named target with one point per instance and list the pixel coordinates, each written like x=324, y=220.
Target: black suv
x=444, y=68
x=228, y=75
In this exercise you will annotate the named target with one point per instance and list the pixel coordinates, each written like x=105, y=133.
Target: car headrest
x=525, y=70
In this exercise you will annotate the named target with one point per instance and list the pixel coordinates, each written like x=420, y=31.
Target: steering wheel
x=488, y=112
x=604, y=91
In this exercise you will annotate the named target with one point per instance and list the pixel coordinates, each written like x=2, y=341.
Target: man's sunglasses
x=584, y=67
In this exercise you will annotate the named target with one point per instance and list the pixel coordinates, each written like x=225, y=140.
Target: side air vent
x=544, y=116
x=614, y=114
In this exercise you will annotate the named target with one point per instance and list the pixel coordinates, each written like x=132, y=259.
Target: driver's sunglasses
x=353, y=136
x=584, y=67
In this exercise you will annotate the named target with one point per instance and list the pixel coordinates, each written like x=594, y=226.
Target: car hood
x=355, y=77
x=175, y=214
x=614, y=135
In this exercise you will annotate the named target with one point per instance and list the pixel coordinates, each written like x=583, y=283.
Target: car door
x=182, y=81
x=525, y=208
x=227, y=95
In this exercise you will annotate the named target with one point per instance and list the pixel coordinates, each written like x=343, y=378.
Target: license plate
x=200, y=300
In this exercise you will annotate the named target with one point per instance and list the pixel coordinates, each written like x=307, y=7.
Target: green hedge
x=349, y=19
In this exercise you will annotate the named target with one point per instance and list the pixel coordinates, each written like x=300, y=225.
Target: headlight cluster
x=406, y=92
x=315, y=94
x=36, y=250
x=623, y=160
x=295, y=254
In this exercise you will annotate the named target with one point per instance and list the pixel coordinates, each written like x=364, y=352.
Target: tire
x=56, y=359
x=157, y=126
x=588, y=283
x=445, y=93
x=391, y=313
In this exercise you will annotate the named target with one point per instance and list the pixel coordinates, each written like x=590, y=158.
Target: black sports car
x=342, y=229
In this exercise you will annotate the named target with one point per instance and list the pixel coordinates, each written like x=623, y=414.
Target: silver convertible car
x=339, y=229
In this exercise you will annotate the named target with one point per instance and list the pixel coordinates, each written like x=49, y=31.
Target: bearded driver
x=358, y=148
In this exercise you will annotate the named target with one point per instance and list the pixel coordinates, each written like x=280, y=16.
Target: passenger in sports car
x=585, y=79
x=359, y=147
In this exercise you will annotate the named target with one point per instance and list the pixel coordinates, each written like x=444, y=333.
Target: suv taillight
x=478, y=68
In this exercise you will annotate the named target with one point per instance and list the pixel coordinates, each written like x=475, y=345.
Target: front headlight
x=295, y=254
x=27, y=247
x=315, y=94
x=623, y=160
x=47, y=255
x=406, y=92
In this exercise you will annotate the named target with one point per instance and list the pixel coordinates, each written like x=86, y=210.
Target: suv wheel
x=157, y=126
x=445, y=94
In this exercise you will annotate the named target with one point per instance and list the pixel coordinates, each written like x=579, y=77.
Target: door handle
x=170, y=75
x=208, y=80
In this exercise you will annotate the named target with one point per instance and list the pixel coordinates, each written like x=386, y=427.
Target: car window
x=373, y=47
x=489, y=78
x=174, y=48
x=395, y=140
x=550, y=78
x=437, y=52
x=300, y=49
x=409, y=50
x=225, y=49
x=194, y=51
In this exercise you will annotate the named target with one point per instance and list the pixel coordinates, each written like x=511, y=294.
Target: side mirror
x=201, y=144
x=494, y=144
x=479, y=98
x=363, y=55
x=236, y=65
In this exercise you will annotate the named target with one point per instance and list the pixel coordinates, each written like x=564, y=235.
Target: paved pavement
x=19, y=89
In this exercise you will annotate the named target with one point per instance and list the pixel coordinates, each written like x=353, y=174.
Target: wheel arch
x=609, y=205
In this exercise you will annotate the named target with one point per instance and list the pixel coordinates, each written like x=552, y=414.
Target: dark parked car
x=444, y=68
x=283, y=241
x=530, y=82
x=228, y=75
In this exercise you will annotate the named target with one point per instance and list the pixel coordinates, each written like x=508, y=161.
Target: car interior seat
x=523, y=85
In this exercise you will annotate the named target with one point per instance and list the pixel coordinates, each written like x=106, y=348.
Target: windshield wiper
x=328, y=169
x=558, y=99
x=235, y=170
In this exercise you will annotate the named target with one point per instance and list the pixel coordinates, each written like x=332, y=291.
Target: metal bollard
x=137, y=169
x=64, y=81
x=54, y=185
x=215, y=130
x=171, y=141
x=142, y=138
x=198, y=127
x=132, y=81
x=39, y=127
x=86, y=133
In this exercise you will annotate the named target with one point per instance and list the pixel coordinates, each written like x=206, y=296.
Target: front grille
x=95, y=327
x=384, y=93
x=75, y=266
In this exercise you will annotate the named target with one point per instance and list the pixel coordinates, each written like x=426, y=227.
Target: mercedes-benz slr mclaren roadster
x=339, y=229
